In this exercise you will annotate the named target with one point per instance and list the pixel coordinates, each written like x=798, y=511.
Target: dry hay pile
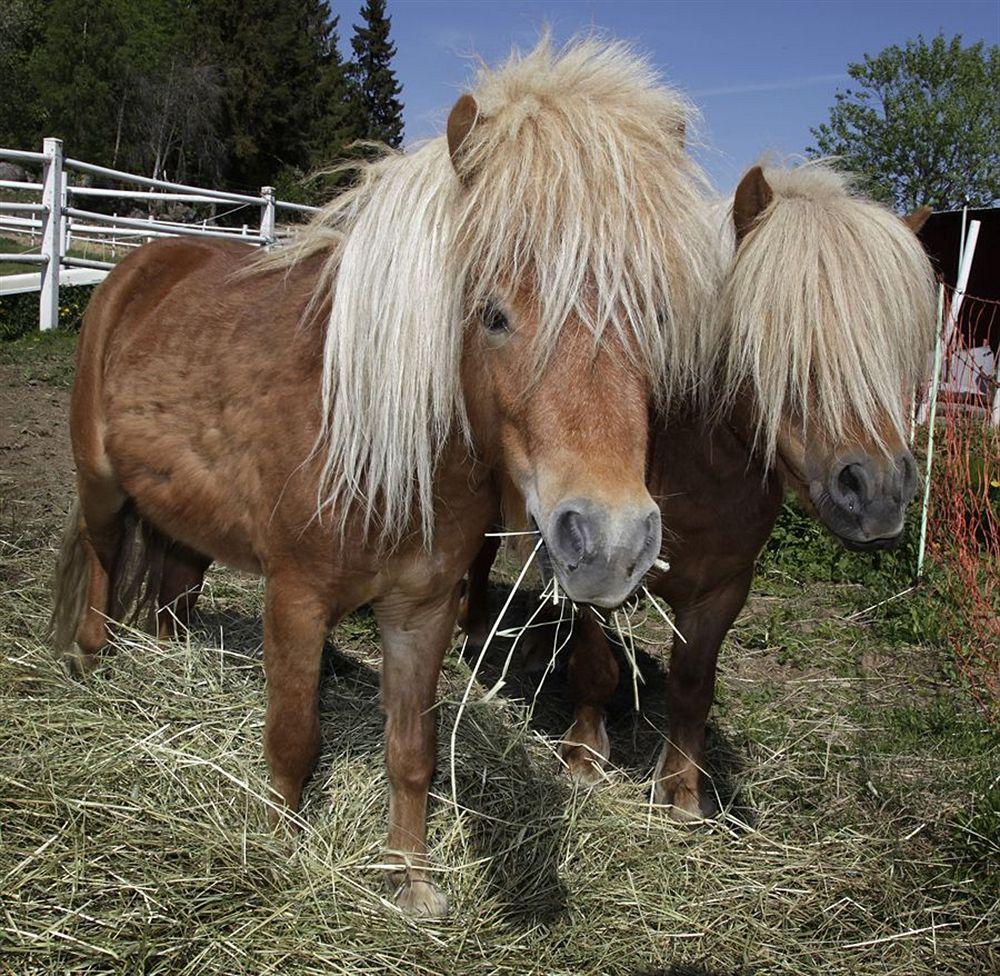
x=132, y=832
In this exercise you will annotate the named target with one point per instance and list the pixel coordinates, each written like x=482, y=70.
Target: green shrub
x=19, y=313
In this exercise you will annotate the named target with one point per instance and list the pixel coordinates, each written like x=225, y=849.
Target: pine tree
x=375, y=82
x=270, y=55
x=334, y=124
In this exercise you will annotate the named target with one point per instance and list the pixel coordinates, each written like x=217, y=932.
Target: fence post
x=995, y=409
x=267, y=215
x=52, y=234
x=945, y=335
x=932, y=395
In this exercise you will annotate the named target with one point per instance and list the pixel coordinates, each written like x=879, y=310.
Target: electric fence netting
x=963, y=527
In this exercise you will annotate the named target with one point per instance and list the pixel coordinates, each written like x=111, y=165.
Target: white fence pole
x=267, y=215
x=957, y=297
x=52, y=233
x=932, y=397
x=945, y=335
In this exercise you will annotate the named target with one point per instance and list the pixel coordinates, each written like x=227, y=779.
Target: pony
x=823, y=328
x=502, y=303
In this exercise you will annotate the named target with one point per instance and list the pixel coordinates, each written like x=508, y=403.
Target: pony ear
x=751, y=200
x=918, y=218
x=461, y=121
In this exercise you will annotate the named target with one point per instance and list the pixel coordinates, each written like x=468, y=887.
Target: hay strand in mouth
x=503, y=535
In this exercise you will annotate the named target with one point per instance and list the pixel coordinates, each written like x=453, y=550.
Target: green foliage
x=336, y=123
x=376, y=88
x=272, y=55
x=921, y=124
x=21, y=24
x=80, y=67
x=19, y=313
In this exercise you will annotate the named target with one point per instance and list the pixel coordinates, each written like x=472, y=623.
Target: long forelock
x=827, y=313
x=579, y=177
x=576, y=180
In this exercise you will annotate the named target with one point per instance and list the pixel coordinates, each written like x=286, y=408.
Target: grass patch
x=21, y=245
x=42, y=357
x=10, y=245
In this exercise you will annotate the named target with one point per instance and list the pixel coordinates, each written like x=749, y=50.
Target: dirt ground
x=36, y=465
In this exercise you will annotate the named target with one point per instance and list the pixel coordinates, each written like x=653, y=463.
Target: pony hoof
x=683, y=805
x=78, y=663
x=586, y=775
x=582, y=768
x=585, y=764
x=421, y=899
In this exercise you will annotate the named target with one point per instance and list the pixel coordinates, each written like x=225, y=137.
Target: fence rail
x=57, y=224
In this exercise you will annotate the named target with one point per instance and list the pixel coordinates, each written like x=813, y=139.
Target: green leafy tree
x=79, y=69
x=242, y=92
x=376, y=88
x=124, y=83
x=921, y=123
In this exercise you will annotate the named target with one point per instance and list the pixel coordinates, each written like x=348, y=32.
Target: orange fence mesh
x=963, y=532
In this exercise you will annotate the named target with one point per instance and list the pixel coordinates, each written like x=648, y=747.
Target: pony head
x=828, y=317
x=529, y=281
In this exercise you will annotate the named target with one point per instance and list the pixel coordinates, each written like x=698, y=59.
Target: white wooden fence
x=58, y=219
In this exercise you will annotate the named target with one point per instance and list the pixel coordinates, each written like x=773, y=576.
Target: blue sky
x=761, y=73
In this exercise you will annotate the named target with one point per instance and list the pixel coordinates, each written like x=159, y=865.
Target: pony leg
x=296, y=621
x=414, y=639
x=593, y=678
x=680, y=778
x=474, y=608
x=180, y=586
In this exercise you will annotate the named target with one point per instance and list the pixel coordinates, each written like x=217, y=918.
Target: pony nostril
x=572, y=537
x=849, y=486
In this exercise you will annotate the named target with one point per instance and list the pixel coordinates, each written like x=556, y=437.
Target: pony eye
x=494, y=319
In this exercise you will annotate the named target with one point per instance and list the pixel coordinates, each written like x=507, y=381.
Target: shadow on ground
x=636, y=737
x=494, y=771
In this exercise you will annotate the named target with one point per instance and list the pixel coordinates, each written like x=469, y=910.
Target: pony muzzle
x=864, y=498
x=599, y=554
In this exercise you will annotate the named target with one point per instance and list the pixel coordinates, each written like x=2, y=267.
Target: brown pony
x=335, y=418
x=825, y=323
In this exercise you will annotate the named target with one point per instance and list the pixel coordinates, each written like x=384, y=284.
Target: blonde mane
x=828, y=311
x=574, y=178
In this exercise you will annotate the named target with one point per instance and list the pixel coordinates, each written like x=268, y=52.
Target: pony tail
x=70, y=584
x=133, y=587
x=138, y=572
